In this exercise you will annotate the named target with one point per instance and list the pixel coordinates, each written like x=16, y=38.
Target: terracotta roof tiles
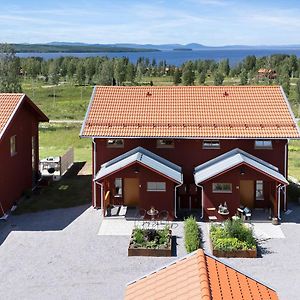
x=9, y=103
x=190, y=111
x=198, y=276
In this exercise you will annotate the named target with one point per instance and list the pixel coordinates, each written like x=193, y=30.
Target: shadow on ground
x=73, y=192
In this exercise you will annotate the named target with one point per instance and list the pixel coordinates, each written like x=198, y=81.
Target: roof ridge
x=203, y=275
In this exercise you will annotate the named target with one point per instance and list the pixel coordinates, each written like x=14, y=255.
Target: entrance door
x=247, y=193
x=131, y=191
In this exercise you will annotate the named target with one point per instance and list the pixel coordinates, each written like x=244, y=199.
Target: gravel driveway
x=58, y=255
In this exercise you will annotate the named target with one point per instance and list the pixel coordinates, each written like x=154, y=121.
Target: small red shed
x=19, y=147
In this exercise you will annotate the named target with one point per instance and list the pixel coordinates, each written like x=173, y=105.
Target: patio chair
x=140, y=217
x=163, y=217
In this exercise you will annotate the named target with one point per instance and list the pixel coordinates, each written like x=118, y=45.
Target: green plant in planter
x=232, y=235
x=138, y=236
x=191, y=234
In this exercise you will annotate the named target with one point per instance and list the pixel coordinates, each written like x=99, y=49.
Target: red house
x=184, y=148
x=19, y=147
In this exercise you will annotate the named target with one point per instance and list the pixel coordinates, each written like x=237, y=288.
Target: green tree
x=90, y=69
x=130, y=72
x=293, y=64
x=106, y=76
x=224, y=67
x=202, y=77
x=177, y=76
x=80, y=73
x=218, y=78
x=188, y=74
x=244, y=77
x=54, y=72
x=9, y=70
x=297, y=90
x=120, y=71
x=249, y=62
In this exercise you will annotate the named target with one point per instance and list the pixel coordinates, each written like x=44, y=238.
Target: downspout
x=202, y=200
x=285, y=175
x=278, y=187
x=101, y=196
x=175, y=196
x=94, y=175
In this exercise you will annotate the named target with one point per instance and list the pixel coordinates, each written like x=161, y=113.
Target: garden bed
x=232, y=239
x=150, y=242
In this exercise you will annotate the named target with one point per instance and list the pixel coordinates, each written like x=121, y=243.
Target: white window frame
x=211, y=144
x=220, y=187
x=263, y=144
x=261, y=196
x=13, y=145
x=115, y=143
x=118, y=185
x=156, y=186
x=165, y=143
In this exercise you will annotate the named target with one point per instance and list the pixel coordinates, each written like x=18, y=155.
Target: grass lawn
x=56, y=139
x=71, y=190
x=70, y=100
x=294, y=159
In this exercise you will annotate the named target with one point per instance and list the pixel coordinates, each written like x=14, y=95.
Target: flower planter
x=251, y=253
x=158, y=252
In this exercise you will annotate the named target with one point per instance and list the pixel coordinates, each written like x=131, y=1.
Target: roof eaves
x=87, y=113
x=22, y=97
x=290, y=110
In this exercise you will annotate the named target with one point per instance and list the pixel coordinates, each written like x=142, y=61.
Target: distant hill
x=77, y=47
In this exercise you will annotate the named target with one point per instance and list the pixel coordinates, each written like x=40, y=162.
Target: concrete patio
x=58, y=254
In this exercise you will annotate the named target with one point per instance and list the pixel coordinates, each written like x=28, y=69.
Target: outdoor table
x=152, y=212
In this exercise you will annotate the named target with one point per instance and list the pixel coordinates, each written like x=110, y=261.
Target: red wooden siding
x=16, y=171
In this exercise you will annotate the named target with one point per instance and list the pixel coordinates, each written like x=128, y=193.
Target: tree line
x=120, y=71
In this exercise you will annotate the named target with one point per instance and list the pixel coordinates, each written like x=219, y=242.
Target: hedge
x=192, y=234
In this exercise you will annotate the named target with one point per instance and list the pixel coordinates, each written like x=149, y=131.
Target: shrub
x=191, y=234
x=232, y=235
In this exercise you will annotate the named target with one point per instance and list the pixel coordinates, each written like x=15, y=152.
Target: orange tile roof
x=198, y=276
x=190, y=111
x=9, y=103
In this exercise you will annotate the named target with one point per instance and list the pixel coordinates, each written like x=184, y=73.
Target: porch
x=237, y=183
x=138, y=180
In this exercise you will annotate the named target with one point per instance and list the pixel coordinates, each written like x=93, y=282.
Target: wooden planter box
x=132, y=251
x=238, y=253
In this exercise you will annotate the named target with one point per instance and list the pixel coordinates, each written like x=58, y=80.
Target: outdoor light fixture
x=242, y=172
x=136, y=170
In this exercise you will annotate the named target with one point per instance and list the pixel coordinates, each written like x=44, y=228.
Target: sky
x=208, y=22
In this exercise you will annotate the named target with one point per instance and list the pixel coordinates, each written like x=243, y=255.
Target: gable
x=10, y=104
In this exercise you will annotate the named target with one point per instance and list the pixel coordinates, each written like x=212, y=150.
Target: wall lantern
x=242, y=171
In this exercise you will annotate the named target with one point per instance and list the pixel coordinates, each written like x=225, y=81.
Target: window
x=13, y=146
x=156, y=186
x=165, y=143
x=211, y=144
x=263, y=144
x=115, y=143
x=222, y=188
x=118, y=187
x=259, y=190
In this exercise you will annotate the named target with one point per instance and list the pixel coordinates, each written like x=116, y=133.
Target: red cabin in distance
x=185, y=148
x=19, y=147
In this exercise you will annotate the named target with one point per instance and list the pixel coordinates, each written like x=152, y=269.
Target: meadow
x=70, y=103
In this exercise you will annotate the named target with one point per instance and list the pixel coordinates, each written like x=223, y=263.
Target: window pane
x=259, y=191
x=156, y=186
x=222, y=187
x=118, y=187
x=211, y=144
x=263, y=144
x=13, y=149
x=165, y=143
x=115, y=143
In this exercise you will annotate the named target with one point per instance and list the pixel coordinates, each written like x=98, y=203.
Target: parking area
x=58, y=254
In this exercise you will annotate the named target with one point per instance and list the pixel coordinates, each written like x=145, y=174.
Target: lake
x=176, y=57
